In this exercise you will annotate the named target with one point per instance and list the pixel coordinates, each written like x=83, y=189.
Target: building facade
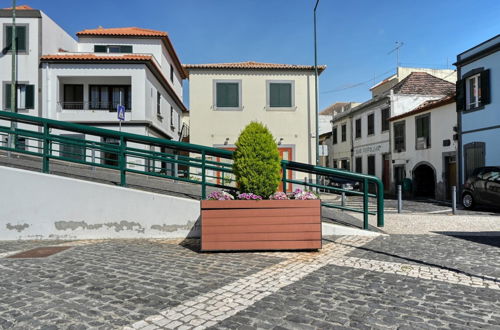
x=424, y=148
x=478, y=107
x=369, y=149
x=225, y=97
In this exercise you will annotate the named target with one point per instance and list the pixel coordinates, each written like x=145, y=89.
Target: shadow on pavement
x=491, y=238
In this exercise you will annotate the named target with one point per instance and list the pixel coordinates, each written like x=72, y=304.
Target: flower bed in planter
x=260, y=225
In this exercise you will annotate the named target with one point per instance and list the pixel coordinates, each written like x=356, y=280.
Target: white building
x=424, y=148
x=369, y=126
x=225, y=97
x=84, y=82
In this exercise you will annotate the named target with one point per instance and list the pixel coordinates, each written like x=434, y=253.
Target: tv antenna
x=399, y=44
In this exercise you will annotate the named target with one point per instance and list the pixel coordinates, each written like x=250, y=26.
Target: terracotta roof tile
x=424, y=84
x=21, y=7
x=94, y=57
x=426, y=106
x=125, y=31
x=253, y=65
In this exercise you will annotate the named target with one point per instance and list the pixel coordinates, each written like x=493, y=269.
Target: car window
x=490, y=175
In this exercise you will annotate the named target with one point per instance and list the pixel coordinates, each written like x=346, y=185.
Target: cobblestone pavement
x=395, y=282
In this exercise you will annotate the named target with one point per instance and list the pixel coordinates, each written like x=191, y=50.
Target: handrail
x=119, y=154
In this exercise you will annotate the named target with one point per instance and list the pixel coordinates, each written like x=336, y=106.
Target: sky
x=354, y=37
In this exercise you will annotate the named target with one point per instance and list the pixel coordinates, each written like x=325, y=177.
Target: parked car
x=482, y=188
x=337, y=182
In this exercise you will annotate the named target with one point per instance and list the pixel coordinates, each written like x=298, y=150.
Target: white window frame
x=268, y=95
x=214, y=88
x=477, y=91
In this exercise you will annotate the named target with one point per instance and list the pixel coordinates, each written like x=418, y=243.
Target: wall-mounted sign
x=372, y=149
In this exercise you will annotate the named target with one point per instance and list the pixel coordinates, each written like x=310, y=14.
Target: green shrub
x=257, y=161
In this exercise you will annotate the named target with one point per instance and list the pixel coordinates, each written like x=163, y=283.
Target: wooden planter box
x=260, y=225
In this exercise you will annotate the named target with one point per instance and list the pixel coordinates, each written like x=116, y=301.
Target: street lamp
x=316, y=85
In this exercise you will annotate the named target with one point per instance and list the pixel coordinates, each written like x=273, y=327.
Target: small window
x=473, y=91
x=399, y=136
x=344, y=132
x=359, y=164
x=423, y=132
x=171, y=73
x=371, y=165
x=25, y=96
x=21, y=38
x=280, y=95
x=358, y=128
x=112, y=49
x=158, y=104
x=334, y=135
x=385, y=113
x=227, y=95
x=371, y=124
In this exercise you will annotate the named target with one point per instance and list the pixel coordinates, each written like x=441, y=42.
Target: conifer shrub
x=257, y=162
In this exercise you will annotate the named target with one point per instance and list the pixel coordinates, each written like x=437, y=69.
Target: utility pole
x=316, y=85
x=13, y=87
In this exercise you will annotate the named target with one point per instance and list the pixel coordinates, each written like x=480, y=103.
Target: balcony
x=94, y=106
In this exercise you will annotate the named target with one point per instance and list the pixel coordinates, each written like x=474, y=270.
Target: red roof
x=426, y=106
x=138, y=33
x=423, y=83
x=21, y=7
x=125, y=31
x=254, y=65
x=94, y=57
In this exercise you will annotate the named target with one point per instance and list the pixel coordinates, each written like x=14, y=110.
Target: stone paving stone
x=7, y=246
x=114, y=282
x=474, y=255
x=354, y=298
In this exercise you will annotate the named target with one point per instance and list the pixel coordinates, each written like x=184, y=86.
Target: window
x=423, y=132
x=171, y=73
x=172, y=125
x=371, y=165
x=343, y=132
x=358, y=128
x=110, y=157
x=473, y=91
x=104, y=97
x=384, y=116
x=25, y=96
x=227, y=95
x=371, y=124
x=344, y=164
x=334, y=135
x=280, y=94
x=21, y=38
x=359, y=164
x=71, y=149
x=112, y=49
x=73, y=97
x=158, y=104
x=474, y=157
x=399, y=136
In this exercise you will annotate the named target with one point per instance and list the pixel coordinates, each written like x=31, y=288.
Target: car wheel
x=468, y=201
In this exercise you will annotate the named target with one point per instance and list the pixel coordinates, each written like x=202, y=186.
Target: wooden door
x=286, y=154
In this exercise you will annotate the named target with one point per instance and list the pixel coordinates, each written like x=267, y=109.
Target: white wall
x=211, y=127
x=54, y=37
x=62, y=208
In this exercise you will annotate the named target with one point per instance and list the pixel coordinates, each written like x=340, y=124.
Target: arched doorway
x=424, y=181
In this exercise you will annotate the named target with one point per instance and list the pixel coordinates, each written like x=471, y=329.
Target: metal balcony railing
x=180, y=161
x=107, y=106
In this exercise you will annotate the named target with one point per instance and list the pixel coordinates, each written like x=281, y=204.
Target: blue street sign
x=121, y=112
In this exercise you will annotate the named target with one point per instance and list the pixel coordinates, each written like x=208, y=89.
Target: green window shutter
x=485, y=87
x=7, y=96
x=125, y=49
x=460, y=95
x=100, y=49
x=21, y=38
x=30, y=97
x=8, y=38
x=227, y=95
x=280, y=95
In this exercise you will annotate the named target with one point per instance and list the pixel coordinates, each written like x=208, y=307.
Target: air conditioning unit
x=421, y=143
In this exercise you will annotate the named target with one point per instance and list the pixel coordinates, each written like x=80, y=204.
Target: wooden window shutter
x=30, y=97
x=460, y=97
x=485, y=87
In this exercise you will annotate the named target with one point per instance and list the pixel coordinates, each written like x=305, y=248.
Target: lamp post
x=316, y=85
x=13, y=89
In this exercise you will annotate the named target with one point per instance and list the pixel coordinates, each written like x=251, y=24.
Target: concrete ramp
x=43, y=206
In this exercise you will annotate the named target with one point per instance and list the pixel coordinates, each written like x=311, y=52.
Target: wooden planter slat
x=260, y=225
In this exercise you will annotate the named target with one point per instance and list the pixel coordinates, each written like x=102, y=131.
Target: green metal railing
x=150, y=156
